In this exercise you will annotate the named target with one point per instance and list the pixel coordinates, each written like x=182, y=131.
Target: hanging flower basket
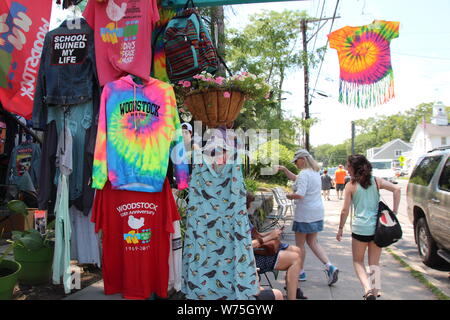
x=215, y=107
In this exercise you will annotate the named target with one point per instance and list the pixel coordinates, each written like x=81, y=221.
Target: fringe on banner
x=367, y=95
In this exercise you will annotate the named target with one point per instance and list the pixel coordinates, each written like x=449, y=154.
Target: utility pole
x=304, y=24
x=306, y=76
x=353, y=137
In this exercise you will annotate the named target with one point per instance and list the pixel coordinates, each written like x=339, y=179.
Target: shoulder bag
x=268, y=248
x=388, y=229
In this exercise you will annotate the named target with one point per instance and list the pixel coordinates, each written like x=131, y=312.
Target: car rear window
x=424, y=171
x=444, y=180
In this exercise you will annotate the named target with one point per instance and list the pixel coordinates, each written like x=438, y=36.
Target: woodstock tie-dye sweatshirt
x=138, y=130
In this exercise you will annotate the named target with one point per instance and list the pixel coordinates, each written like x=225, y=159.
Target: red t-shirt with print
x=136, y=230
x=123, y=32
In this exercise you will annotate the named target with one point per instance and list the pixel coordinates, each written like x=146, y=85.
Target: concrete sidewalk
x=396, y=282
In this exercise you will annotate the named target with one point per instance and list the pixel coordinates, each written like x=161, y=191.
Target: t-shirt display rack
x=113, y=130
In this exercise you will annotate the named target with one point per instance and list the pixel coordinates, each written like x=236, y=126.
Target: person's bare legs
x=358, y=252
x=300, y=239
x=311, y=239
x=374, y=260
x=290, y=262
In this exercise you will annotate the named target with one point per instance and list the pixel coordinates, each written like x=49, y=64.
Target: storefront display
x=136, y=228
x=218, y=259
x=138, y=130
x=123, y=31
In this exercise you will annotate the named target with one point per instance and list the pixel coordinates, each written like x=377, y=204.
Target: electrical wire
x=326, y=45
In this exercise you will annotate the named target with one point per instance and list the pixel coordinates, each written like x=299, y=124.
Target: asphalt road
x=407, y=248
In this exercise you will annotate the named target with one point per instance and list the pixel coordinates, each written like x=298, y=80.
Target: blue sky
x=420, y=58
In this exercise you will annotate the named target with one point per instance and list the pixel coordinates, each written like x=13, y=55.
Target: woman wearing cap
x=309, y=210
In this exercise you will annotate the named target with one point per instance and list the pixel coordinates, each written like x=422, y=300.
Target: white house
x=428, y=136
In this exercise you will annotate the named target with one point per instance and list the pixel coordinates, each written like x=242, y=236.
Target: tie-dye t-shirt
x=138, y=130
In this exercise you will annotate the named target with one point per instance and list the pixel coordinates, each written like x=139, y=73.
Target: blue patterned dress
x=218, y=260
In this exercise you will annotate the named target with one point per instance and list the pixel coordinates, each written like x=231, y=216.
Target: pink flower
x=209, y=79
x=197, y=76
x=219, y=80
x=182, y=110
x=226, y=94
x=186, y=84
x=181, y=82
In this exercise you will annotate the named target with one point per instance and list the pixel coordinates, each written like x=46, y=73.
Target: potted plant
x=216, y=100
x=33, y=250
x=9, y=272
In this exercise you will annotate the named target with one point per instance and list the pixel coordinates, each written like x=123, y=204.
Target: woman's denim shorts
x=304, y=227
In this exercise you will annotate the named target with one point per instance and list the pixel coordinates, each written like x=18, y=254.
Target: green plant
x=251, y=184
x=31, y=239
x=252, y=86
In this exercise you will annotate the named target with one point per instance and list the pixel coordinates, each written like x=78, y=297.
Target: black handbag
x=388, y=229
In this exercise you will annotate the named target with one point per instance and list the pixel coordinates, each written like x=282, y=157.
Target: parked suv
x=428, y=197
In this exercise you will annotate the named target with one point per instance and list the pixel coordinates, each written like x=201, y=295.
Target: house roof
x=378, y=150
x=432, y=130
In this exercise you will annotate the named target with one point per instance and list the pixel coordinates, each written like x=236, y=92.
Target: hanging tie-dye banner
x=23, y=26
x=366, y=75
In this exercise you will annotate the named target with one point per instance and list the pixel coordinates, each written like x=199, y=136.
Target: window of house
x=398, y=153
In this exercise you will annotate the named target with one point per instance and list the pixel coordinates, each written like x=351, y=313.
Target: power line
x=326, y=45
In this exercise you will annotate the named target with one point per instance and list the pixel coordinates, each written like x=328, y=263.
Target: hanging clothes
x=67, y=86
x=366, y=75
x=138, y=131
x=136, y=228
x=84, y=241
x=63, y=229
x=175, y=258
x=123, y=29
x=25, y=161
x=78, y=119
x=218, y=260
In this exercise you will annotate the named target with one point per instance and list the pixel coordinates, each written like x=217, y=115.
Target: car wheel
x=426, y=245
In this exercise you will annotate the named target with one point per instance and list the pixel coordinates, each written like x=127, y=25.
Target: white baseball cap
x=187, y=125
x=300, y=154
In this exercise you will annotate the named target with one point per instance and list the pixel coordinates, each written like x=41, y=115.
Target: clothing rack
x=24, y=127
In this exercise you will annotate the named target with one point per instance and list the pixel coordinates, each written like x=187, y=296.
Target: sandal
x=300, y=294
x=369, y=296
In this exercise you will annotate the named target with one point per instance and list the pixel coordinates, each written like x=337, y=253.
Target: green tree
x=270, y=45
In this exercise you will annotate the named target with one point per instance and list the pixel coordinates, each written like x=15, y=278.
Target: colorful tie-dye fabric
x=366, y=76
x=159, y=70
x=138, y=129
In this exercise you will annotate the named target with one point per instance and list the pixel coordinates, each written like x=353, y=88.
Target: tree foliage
x=270, y=45
x=374, y=132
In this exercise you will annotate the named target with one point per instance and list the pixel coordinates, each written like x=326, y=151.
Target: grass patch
x=420, y=277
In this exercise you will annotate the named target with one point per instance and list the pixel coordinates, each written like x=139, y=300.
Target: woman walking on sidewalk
x=309, y=210
x=362, y=192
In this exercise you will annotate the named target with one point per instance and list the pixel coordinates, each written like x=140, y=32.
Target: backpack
x=188, y=47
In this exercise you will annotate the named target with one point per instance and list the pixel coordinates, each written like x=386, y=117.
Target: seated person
x=286, y=259
x=269, y=294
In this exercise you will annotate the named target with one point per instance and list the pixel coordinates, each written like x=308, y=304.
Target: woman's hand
x=339, y=234
x=278, y=168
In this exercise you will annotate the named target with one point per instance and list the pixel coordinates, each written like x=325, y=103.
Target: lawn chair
x=279, y=216
x=269, y=284
x=284, y=200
